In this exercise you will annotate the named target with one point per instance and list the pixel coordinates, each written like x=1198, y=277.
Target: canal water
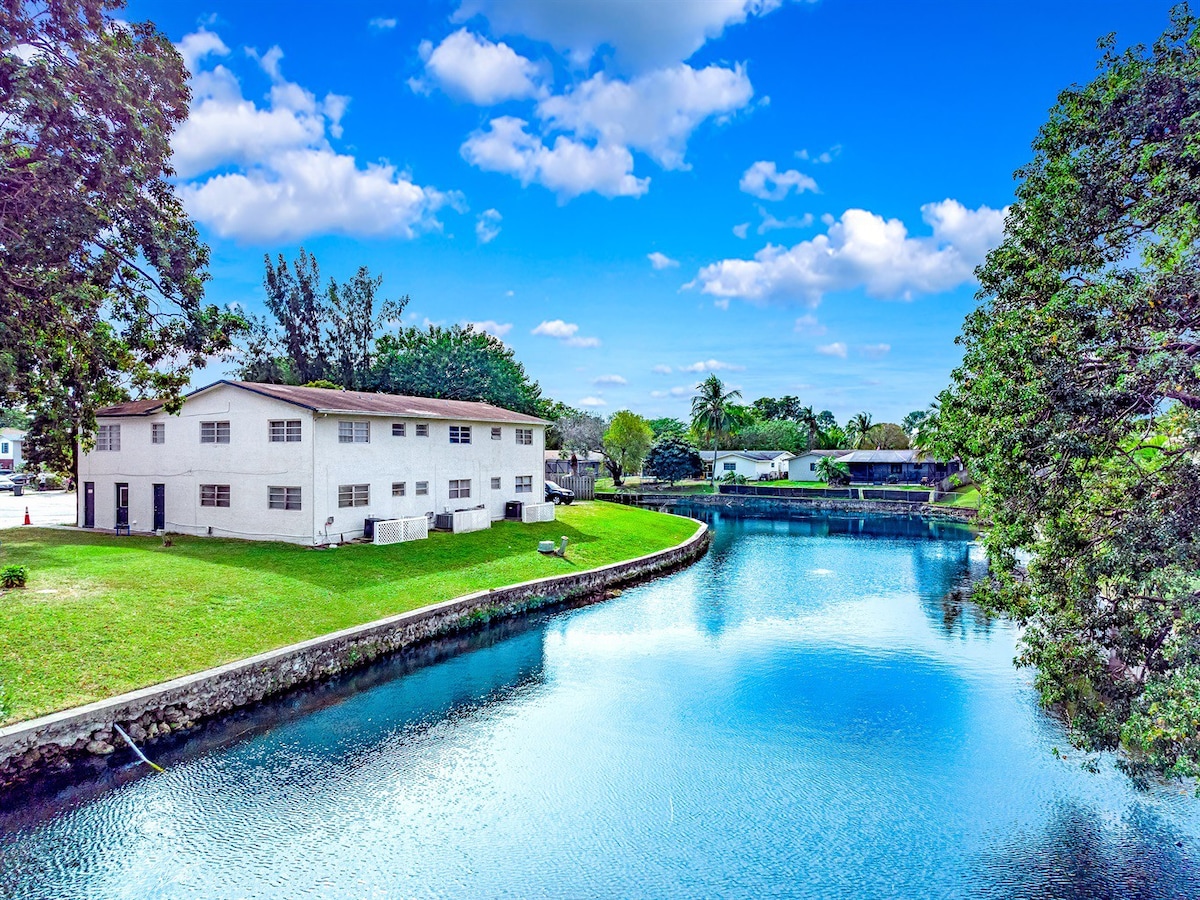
x=812, y=710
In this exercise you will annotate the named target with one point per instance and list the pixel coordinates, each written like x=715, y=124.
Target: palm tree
x=857, y=428
x=831, y=471
x=711, y=414
x=925, y=434
x=806, y=418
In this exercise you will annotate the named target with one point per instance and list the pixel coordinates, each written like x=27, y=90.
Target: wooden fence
x=584, y=486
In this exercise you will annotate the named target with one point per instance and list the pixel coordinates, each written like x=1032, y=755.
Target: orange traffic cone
x=28, y=521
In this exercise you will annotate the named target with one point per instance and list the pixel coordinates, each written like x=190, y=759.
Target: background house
x=897, y=466
x=306, y=465
x=11, y=441
x=591, y=463
x=755, y=465
x=804, y=466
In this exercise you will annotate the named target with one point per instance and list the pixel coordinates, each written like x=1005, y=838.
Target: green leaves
x=1076, y=406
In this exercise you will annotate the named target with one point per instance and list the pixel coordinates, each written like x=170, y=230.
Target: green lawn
x=967, y=497
x=633, y=484
x=102, y=615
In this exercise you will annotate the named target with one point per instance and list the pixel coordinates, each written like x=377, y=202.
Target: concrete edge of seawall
x=56, y=743
x=784, y=504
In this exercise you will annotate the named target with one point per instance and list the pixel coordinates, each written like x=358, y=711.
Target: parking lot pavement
x=45, y=508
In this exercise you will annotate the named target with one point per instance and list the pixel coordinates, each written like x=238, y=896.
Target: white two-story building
x=305, y=465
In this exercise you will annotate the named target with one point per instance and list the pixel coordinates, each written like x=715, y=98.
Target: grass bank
x=102, y=615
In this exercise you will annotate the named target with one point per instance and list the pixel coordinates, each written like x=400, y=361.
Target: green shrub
x=13, y=576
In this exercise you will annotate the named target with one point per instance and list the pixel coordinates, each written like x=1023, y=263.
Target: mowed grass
x=102, y=615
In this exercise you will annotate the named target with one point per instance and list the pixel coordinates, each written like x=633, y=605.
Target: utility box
x=369, y=526
x=512, y=509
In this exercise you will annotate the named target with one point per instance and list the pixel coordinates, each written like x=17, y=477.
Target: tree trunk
x=716, y=443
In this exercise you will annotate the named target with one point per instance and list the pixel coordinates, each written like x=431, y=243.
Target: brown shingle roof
x=357, y=402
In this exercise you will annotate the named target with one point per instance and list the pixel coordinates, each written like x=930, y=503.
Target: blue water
x=810, y=711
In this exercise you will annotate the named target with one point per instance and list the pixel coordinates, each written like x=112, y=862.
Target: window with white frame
x=354, y=432
x=214, y=432
x=354, y=494
x=524, y=484
x=422, y=488
x=460, y=434
x=3, y=447
x=496, y=483
x=398, y=488
x=460, y=488
x=422, y=429
x=524, y=436
x=729, y=466
x=214, y=495
x=283, y=431
x=108, y=437
x=158, y=432
x=496, y=434
x=398, y=429
x=283, y=498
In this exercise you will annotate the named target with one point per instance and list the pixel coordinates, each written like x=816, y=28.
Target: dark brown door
x=89, y=504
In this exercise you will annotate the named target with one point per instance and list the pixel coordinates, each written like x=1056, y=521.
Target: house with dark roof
x=305, y=465
x=803, y=466
x=754, y=465
x=896, y=466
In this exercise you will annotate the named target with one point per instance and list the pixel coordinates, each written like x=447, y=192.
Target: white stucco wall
x=750, y=468
x=800, y=468
x=10, y=450
x=318, y=464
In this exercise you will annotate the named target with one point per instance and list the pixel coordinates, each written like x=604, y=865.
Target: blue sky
x=633, y=194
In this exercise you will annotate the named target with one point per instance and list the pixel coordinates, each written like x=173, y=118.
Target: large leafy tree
x=626, y=441
x=712, y=414
x=1077, y=406
x=356, y=317
x=673, y=458
x=455, y=363
x=296, y=300
x=101, y=271
x=858, y=427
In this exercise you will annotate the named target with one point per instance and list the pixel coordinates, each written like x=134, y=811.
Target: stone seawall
x=759, y=504
x=58, y=742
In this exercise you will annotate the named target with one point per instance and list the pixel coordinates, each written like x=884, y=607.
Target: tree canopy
x=1077, y=406
x=673, y=458
x=101, y=271
x=625, y=443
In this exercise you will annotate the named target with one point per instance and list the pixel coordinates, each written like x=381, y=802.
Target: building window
x=214, y=432
x=108, y=437
x=158, y=432
x=896, y=468
x=3, y=448
x=422, y=488
x=398, y=429
x=496, y=434
x=397, y=488
x=354, y=494
x=460, y=434
x=729, y=467
x=214, y=495
x=283, y=431
x=495, y=484
x=354, y=432
x=812, y=467
x=524, y=484
x=525, y=436
x=460, y=488
x=283, y=498
x=423, y=430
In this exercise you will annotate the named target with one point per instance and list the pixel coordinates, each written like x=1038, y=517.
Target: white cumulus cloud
x=712, y=365
x=469, y=67
x=492, y=327
x=655, y=113
x=643, y=33
x=740, y=230
x=609, y=379
x=661, y=369
x=487, y=226
x=662, y=261
x=765, y=181
x=808, y=325
x=593, y=402
x=864, y=250
x=568, y=167
x=837, y=348
x=567, y=332
x=277, y=177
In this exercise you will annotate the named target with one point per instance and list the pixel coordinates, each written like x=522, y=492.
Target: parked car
x=6, y=483
x=19, y=478
x=557, y=495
